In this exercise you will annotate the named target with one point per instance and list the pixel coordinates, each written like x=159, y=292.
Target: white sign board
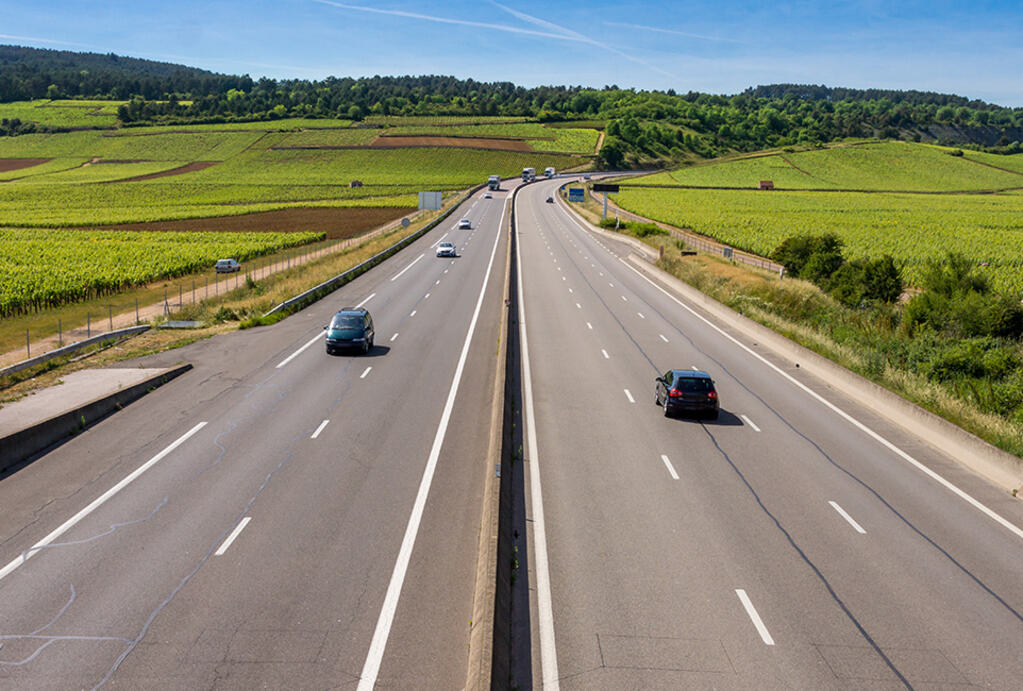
x=429, y=200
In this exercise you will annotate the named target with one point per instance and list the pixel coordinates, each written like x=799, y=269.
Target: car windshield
x=693, y=385
x=348, y=321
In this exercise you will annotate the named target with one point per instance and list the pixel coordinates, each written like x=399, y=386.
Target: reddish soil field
x=7, y=164
x=337, y=223
x=198, y=165
x=456, y=142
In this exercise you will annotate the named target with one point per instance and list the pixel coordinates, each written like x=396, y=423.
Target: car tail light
x=712, y=395
x=674, y=393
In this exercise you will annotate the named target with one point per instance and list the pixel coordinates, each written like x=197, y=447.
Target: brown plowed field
x=455, y=142
x=198, y=165
x=337, y=223
x=7, y=164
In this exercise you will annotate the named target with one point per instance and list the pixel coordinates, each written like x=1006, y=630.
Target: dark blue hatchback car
x=351, y=327
x=686, y=390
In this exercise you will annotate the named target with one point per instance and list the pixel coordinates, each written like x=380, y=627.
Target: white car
x=464, y=224
x=226, y=266
x=487, y=195
x=446, y=249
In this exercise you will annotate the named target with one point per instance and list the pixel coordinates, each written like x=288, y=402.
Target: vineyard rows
x=43, y=269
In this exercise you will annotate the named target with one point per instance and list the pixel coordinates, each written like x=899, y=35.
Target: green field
x=42, y=269
x=62, y=113
x=911, y=227
x=886, y=166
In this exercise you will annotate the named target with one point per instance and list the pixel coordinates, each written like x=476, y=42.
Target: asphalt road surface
x=790, y=544
x=278, y=517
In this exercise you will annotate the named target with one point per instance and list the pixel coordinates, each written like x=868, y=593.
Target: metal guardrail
x=39, y=359
x=332, y=284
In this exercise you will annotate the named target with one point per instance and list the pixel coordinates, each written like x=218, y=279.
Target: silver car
x=446, y=249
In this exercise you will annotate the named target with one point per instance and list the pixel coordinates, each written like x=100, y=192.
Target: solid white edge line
x=628, y=394
x=671, y=468
x=545, y=609
x=757, y=621
x=234, y=533
x=750, y=423
x=363, y=375
x=370, y=297
x=301, y=350
x=441, y=238
x=410, y=265
x=319, y=429
x=847, y=517
x=1018, y=532
x=371, y=668
x=99, y=501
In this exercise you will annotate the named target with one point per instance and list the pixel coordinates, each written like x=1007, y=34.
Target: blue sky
x=973, y=49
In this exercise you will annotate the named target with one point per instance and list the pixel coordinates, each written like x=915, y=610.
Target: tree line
x=642, y=127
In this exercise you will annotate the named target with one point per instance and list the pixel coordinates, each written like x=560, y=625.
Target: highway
x=279, y=517
x=789, y=544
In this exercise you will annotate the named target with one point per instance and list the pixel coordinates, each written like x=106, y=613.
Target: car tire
x=657, y=398
x=365, y=347
x=667, y=411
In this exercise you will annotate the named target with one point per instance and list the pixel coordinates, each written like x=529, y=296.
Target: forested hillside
x=643, y=128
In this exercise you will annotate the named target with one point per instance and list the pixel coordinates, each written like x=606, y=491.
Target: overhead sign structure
x=576, y=194
x=599, y=187
x=429, y=201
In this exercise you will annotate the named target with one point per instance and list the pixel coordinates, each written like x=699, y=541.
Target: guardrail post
x=28, y=346
x=110, y=316
x=60, y=334
x=136, y=311
x=88, y=325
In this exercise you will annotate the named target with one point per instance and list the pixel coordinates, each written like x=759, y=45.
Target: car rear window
x=693, y=385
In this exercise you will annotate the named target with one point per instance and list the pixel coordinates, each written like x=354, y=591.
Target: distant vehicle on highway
x=586, y=176
x=351, y=327
x=549, y=172
x=494, y=182
x=550, y=200
x=487, y=195
x=226, y=266
x=464, y=223
x=684, y=390
x=446, y=249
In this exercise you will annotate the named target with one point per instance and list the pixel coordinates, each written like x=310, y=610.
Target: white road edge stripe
x=234, y=533
x=545, y=610
x=371, y=668
x=363, y=375
x=319, y=429
x=671, y=468
x=757, y=621
x=411, y=264
x=847, y=517
x=96, y=503
x=750, y=423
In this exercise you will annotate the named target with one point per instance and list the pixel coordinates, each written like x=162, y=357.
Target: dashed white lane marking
x=410, y=265
x=394, y=337
x=319, y=429
x=234, y=533
x=640, y=315
x=847, y=517
x=412, y=313
x=570, y=290
x=445, y=270
x=624, y=299
x=96, y=503
x=671, y=468
x=606, y=356
x=629, y=396
x=695, y=368
x=750, y=423
x=439, y=240
x=588, y=325
x=664, y=338
x=426, y=297
x=757, y=621
x=437, y=282
x=611, y=284
x=580, y=307
x=363, y=375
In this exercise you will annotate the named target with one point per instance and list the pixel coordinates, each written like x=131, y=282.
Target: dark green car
x=351, y=328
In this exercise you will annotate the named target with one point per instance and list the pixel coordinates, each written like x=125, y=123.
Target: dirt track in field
x=337, y=223
x=8, y=164
x=181, y=170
